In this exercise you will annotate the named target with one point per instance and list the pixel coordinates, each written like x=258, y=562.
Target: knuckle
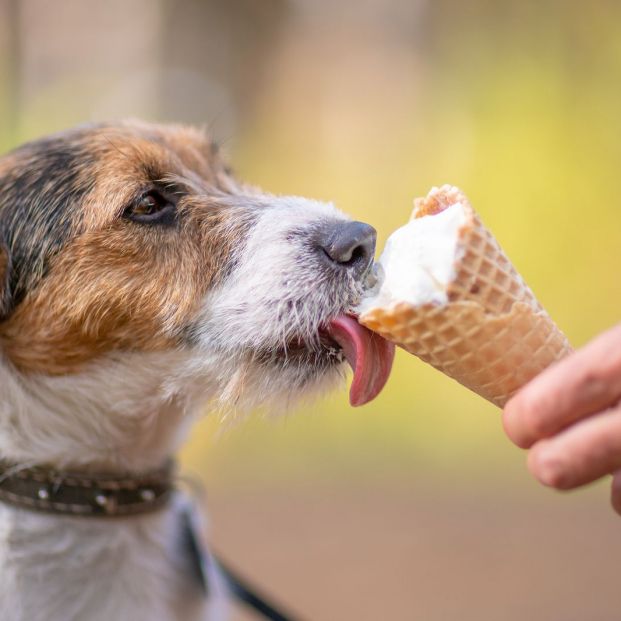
x=594, y=382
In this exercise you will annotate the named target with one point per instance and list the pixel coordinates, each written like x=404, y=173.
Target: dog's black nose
x=350, y=244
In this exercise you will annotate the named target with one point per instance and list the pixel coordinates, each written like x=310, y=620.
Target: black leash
x=248, y=596
x=202, y=559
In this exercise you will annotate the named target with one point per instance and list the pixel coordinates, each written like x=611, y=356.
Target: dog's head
x=135, y=239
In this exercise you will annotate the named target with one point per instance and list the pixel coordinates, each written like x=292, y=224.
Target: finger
x=586, y=382
x=583, y=453
x=615, y=492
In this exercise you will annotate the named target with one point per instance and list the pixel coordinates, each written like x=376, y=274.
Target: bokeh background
x=414, y=507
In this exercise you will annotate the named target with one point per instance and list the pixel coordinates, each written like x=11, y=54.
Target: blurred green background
x=415, y=506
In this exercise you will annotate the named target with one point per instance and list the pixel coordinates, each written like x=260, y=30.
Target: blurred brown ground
x=417, y=554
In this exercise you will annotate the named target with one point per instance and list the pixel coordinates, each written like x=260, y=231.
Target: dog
x=141, y=284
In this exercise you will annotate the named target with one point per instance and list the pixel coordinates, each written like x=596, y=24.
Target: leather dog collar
x=41, y=488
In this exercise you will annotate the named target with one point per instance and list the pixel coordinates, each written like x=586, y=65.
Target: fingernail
x=548, y=469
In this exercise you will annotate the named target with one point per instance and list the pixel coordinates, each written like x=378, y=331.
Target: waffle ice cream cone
x=451, y=297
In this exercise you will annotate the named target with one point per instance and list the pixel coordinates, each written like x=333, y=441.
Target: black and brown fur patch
x=5, y=285
x=81, y=278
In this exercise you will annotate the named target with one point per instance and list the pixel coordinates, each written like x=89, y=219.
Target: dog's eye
x=151, y=208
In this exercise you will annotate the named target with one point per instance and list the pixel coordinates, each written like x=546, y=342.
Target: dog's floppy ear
x=5, y=280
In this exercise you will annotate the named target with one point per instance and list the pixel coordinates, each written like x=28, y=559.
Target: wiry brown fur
x=118, y=284
x=4, y=280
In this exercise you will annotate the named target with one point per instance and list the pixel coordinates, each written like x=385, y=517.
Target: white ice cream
x=418, y=261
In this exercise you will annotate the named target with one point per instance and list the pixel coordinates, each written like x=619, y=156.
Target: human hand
x=570, y=418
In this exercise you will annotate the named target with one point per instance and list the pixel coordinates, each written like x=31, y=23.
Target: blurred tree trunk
x=9, y=71
x=225, y=44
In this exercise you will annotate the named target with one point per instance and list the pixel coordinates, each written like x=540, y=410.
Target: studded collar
x=45, y=489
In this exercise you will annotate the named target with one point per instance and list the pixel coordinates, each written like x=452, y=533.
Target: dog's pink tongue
x=369, y=355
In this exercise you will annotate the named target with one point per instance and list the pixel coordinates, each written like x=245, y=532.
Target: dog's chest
x=56, y=568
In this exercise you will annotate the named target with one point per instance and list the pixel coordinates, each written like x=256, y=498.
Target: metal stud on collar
x=107, y=502
x=148, y=495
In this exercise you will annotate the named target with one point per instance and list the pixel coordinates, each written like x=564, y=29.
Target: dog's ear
x=5, y=280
